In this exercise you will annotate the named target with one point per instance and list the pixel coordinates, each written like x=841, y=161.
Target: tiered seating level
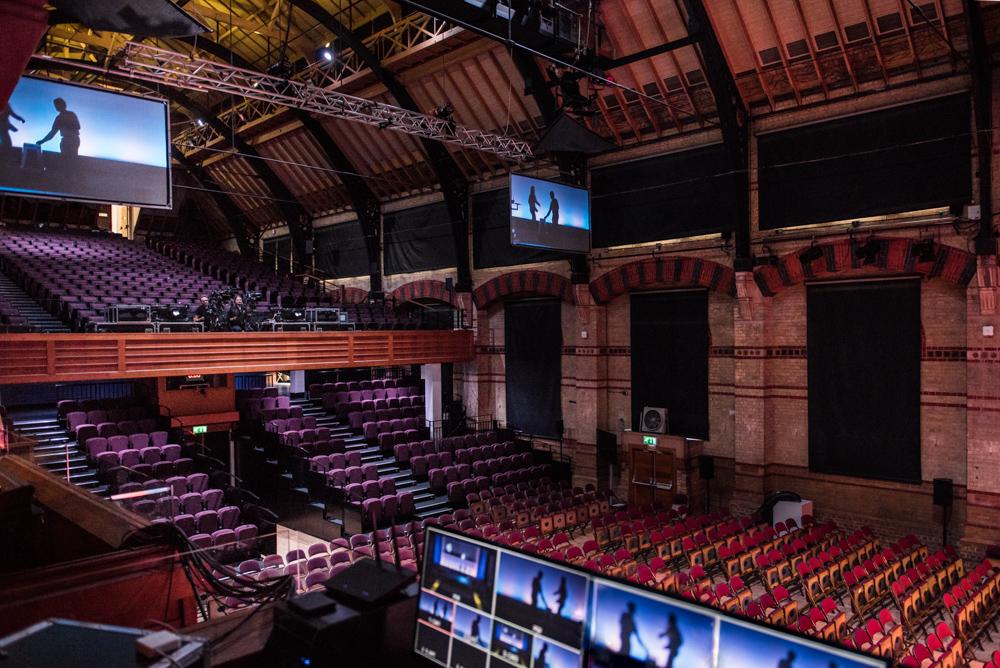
x=81, y=274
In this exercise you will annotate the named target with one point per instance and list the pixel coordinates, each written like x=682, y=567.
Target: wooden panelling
x=38, y=358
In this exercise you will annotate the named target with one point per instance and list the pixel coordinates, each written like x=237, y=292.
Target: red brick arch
x=350, y=295
x=523, y=284
x=663, y=272
x=425, y=289
x=896, y=254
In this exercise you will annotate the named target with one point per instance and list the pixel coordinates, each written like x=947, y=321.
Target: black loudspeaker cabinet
x=706, y=467
x=560, y=428
x=943, y=492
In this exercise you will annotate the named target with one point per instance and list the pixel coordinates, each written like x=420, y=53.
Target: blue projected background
x=745, y=647
x=651, y=616
x=516, y=577
x=114, y=127
x=574, y=203
x=545, y=214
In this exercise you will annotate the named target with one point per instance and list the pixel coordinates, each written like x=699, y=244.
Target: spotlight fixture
x=811, y=254
x=324, y=54
x=868, y=252
x=925, y=250
x=200, y=123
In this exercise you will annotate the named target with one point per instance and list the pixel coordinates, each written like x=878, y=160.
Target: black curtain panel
x=491, y=234
x=907, y=158
x=670, y=359
x=666, y=197
x=533, y=341
x=418, y=239
x=864, y=379
x=341, y=251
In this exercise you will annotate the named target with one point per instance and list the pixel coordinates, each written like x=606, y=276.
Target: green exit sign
x=646, y=440
x=203, y=429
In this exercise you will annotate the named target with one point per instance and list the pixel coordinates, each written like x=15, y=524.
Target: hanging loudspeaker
x=706, y=467
x=943, y=492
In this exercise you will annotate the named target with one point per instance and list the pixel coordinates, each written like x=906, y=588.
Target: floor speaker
x=706, y=467
x=943, y=492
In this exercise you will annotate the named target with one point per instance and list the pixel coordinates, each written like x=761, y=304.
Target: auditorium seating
x=80, y=275
x=249, y=274
x=239, y=271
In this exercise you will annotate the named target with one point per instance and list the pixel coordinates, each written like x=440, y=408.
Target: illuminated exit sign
x=203, y=429
x=646, y=440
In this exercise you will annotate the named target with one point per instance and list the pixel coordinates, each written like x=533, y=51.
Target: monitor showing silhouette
x=539, y=595
x=66, y=141
x=745, y=646
x=631, y=628
x=548, y=214
x=484, y=606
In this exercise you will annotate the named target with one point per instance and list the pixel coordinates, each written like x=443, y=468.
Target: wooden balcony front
x=44, y=358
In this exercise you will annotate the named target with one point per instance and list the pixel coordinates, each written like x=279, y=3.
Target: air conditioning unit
x=654, y=420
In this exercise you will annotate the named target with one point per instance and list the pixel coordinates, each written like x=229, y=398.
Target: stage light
x=324, y=54
x=925, y=250
x=811, y=254
x=200, y=123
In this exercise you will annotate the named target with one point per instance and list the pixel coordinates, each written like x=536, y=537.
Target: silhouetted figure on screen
x=560, y=595
x=533, y=205
x=674, y=639
x=536, y=591
x=553, y=209
x=541, y=660
x=6, y=127
x=434, y=610
x=628, y=629
x=474, y=630
x=788, y=661
x=68, y=125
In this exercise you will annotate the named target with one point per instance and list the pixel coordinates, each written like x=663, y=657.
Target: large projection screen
x=548, y=214
x=98, y=146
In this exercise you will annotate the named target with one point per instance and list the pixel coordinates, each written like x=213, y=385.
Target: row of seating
x=342, y=404
x=403, y=452
x=207, y=521
x=149, y=462
x=179, y=485
x=116, y=410
x=95, y=445
x=92, y=422
x=414, y=423
x=318, y=390
x=170, y=506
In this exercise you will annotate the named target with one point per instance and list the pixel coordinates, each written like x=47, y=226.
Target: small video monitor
x=547, y=599
x=471, y=634
x=743, y=645
x=630, y=628
x=459, y=569
x=512, y=645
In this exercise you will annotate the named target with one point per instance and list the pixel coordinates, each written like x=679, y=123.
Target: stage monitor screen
x=547, y=214
x=486, y=606
x=482, y=605
x=65, y=141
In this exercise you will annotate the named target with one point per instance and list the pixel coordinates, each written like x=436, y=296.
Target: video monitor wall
x=482, y=605
x=66, y=141
x=548, y=214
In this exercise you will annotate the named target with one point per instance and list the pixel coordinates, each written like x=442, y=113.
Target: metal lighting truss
x=160, y=66
x=405, y=37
